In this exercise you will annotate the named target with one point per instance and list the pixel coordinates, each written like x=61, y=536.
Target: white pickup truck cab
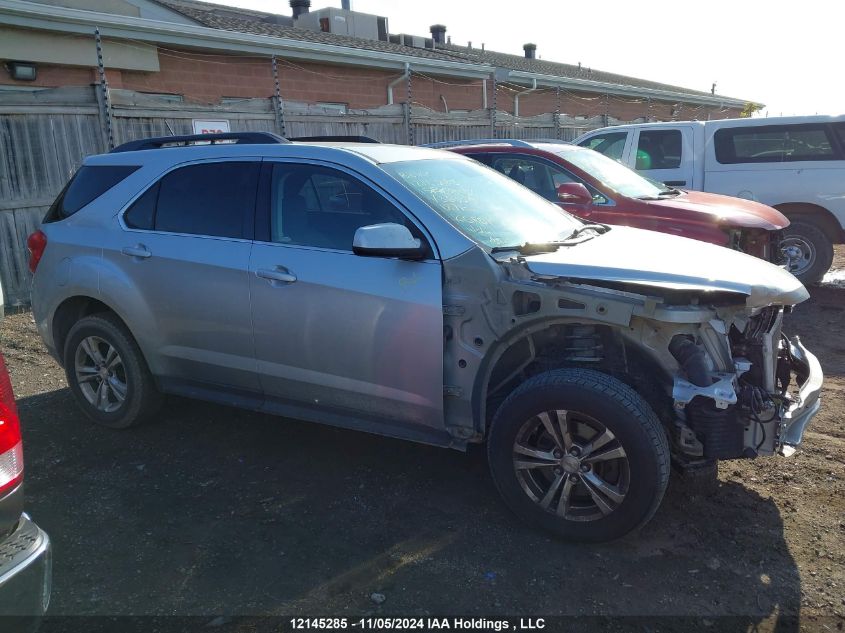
x=795, y=164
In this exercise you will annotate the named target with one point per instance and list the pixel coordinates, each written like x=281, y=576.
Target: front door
x=338, y=334
x=665, y=155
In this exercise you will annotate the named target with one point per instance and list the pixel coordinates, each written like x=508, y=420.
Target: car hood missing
x=649, y=259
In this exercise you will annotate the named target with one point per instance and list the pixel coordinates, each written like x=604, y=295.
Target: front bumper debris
x=799, y=413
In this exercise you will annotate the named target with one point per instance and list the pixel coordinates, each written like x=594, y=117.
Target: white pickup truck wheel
x=807, y=250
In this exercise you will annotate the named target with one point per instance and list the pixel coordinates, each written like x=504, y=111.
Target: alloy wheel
x=100, y=374
x=571, y=465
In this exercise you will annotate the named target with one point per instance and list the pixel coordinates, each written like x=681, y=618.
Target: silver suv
x=418, y=294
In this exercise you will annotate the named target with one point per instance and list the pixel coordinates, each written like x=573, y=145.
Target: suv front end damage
x=756, y=403
x=707, y=352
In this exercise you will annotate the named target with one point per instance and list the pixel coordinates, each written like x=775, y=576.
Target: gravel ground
x=215, y=510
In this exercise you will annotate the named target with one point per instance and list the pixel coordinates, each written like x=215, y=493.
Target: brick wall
x=206, y=78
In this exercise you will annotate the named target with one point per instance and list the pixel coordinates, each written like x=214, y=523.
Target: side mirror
x=387, y=240
x=574, y=193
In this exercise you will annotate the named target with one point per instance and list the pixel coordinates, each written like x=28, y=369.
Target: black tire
x=603, y=399
x=140, y=400
x=816, y=248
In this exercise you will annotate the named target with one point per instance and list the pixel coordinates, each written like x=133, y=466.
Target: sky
x=782, y=54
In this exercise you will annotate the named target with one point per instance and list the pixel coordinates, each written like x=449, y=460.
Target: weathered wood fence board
x=45, y=135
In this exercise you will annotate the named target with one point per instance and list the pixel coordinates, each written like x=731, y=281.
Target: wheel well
x=69, y=312
x=584, y=345
x=818, y=215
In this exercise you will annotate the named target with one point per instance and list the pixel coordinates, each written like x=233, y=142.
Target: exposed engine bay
x=717, y=369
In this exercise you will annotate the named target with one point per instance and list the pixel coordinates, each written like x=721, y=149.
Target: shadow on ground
x=214, y=510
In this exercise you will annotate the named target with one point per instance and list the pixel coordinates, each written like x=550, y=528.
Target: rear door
x=338, y=333
x=185, y=249
x=665, y=154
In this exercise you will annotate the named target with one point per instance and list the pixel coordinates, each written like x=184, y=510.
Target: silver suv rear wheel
x=100, y=374
x=107, y=373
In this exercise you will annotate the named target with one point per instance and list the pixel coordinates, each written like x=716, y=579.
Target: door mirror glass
x=387, y=240
x=573, y=193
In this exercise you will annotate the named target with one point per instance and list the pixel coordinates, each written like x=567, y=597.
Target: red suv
x=599, y=189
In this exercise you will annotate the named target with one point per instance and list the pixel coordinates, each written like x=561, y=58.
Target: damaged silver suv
x=418, y=294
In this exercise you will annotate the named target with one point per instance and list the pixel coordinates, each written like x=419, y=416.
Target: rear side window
x=611, y=144
x=216, y=199
x=774, y=144
x=88, y=184
x=659, y=149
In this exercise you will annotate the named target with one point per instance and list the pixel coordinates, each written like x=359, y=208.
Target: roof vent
x=438, y=33
x=299, y=7
x=530, y=50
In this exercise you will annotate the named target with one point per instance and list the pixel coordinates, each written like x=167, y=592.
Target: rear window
x=774, y=144
x=88, y=184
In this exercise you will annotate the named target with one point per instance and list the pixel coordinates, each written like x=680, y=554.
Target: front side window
x=659, y=149
x=538, y=175
x=611, y=144
x=485, y=205
x=311, y=205
x=774, y=144
x=612, y=174
x=215, y=199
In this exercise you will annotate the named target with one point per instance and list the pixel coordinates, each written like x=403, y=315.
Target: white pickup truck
x=795, y=164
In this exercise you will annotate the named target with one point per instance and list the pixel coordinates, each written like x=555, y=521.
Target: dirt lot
x=214, y=510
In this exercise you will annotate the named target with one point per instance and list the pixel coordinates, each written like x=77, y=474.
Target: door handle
x=284, y=275
x=136, y=251
x=675, y=183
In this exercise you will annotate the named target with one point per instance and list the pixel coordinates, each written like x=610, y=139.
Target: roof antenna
x=713, y=88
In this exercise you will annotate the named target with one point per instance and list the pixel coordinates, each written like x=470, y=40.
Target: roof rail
x=235, y=138
x=480, y=141
x=336, y=138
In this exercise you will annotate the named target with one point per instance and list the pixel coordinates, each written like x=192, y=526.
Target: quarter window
x=611, y=144
x=773, y=144
x=311, y=205
x=659, y=149
x=216, y=199
x=141, y=215
x=88, y=184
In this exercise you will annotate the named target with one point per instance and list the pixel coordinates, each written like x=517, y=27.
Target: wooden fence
x=45, y=135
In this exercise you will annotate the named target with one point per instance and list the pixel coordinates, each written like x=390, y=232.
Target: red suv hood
x=727, y=211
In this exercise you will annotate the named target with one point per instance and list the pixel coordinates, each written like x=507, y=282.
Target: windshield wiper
x=669, y=191
x=535, y=248
x=598, y=228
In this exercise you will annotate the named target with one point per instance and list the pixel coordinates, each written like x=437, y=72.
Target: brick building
x=200, y=52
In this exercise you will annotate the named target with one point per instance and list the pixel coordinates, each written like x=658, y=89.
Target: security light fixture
x=22, y=71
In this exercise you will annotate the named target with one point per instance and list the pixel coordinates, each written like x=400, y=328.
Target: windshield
x=490, y=208
x=613, y=174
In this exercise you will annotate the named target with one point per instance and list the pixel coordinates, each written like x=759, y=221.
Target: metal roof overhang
x=61, y=19
x=586, y=85
x=54, y=18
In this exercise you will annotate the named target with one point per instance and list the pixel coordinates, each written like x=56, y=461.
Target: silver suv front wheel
x=580, y=454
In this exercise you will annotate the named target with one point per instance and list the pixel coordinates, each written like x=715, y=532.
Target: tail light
x=36, y=243
x=11, y=447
